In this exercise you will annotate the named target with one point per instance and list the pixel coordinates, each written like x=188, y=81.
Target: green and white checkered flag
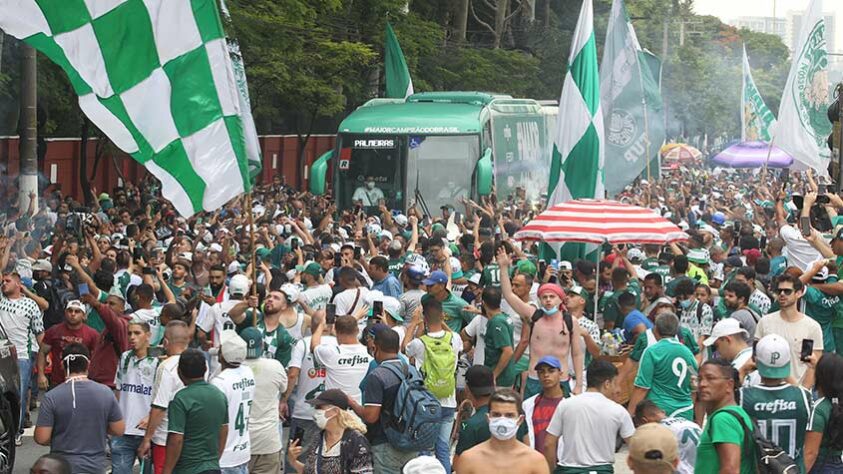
x=576, y=169
x=156, y=77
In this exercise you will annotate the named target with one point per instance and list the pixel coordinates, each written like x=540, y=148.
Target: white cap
x=385, y=233
x=772, y=356
x=635, y=254
x=400, y=219
x=565, y=265
x=821, y=275
x=215, y=247
x=292, y=292
x=233, y=267
x=232, y=347
x=239, y=285
x=724, y=327
x=423, y=465
x=475, y=279
x=76, y=304
x=393, y=307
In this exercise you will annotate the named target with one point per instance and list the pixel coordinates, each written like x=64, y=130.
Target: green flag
x=631, y=103
x=756, y=118
x=803, y=126
x=398, y=82
x=576, y=169
x=157, y=79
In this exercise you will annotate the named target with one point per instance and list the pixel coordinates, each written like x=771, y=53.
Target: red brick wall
x=280, y=155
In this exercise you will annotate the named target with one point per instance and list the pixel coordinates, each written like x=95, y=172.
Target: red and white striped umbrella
x=598, y=221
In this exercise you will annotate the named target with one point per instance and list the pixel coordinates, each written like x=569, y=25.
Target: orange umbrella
x=679, y=152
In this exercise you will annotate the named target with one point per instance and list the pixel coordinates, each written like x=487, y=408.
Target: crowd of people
x=376, y=340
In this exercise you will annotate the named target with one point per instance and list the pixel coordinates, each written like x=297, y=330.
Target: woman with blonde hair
x=342, y=446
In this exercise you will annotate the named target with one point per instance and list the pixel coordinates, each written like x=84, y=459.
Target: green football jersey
x=666, y=369
x=781, y=415
x=491, y=275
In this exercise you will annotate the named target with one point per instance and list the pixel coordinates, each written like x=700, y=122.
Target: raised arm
x=523, y=309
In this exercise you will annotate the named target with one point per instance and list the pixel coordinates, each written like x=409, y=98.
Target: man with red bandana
x=547, y=331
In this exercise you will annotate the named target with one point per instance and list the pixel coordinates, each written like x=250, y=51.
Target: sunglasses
x=785, y=291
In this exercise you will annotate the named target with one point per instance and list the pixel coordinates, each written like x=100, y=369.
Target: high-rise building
x=763, y=24
x=794, y=21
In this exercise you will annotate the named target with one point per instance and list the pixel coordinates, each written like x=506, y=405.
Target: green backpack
x=440, y=365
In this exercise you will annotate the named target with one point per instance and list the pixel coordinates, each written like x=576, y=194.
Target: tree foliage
x=311, y=62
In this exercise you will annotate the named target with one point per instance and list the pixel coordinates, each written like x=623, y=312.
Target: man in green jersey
x=499, y=343
x=198, y=424
x=480, y=383
x=665, y=372
x=780, y=410
x=724, y=440
x=820, y=306
x=278, y=343
x=623, y=280
x=452, y=305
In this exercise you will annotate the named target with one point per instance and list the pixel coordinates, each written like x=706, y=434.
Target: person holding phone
x=794, y=326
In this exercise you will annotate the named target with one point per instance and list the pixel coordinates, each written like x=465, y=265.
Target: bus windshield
x=370, y=171
x=441, y=167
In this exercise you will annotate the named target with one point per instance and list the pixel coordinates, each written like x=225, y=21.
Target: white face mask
x=321, y=419
x=503, y=428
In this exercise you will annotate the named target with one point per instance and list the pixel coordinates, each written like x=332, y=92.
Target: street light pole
x=28, y=176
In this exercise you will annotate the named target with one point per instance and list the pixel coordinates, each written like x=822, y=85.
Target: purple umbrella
x=752, y=155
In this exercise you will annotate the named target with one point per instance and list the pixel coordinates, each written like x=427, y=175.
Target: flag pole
x=253, y=263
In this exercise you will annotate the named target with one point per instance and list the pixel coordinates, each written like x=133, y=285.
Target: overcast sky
x=729, y=9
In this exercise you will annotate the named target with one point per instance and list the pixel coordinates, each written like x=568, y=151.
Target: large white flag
x=576, y=169
x=803, y=126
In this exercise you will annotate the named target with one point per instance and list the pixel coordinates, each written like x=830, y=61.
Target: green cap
x=262, y=253
x=437, y=227
x=527, y=267
x=254, y=342
x=313, y=269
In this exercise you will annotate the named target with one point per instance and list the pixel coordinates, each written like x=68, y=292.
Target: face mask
x=685, y=304
x=320, y=419
x=551, y=311
x=503, y=428
x=370, y=185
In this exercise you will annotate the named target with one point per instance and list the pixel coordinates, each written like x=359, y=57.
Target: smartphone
x=457, y=217
x=805, y=226
x=294, y=244
x=337, y=260
x=83, y=289
x=330, y=313
x=297, y=435
x=542, y=268
x=358, y=252
x=785, y=178
x=377, y=309
x=155, y=351
x=807, y=349
x=555, y=264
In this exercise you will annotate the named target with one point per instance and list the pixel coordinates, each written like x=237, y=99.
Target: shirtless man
x=548, y=335
x=503, y=452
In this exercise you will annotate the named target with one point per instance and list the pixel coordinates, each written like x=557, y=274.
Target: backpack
x=58, y=300
x=569, y=322
x=414, y=420
x=439, y=365
x=769, y=458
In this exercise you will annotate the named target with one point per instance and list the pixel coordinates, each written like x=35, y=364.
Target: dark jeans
x=829, y=465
